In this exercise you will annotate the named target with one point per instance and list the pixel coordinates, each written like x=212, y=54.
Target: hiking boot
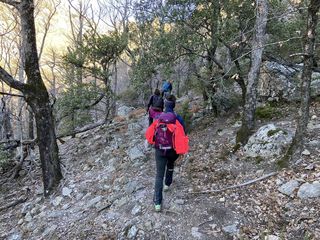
x=157, y=207
x=165, y=188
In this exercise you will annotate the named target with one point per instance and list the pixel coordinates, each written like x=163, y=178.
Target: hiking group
x=166, y=132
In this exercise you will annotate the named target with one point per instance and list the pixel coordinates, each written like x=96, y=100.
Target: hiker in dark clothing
x=155, y=105
x=165, y=159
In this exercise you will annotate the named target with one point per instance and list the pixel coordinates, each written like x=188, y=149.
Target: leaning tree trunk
x=297, y=144
x=36, y=96
x=248, y=117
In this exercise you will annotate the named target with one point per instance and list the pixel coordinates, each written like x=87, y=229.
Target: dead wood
x=13, y=204
x=238, y=185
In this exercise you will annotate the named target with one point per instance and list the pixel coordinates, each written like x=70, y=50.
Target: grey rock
x=94, y=201
x=124, y=111
x=231, y=229
x=179, y=201
x=49, y=230
x=289, y=187
x=306, y=152
x=39, y=190
x=26, y=207
x=271, y=237
x=148, y=226
x=15, y=236
x=135, y=153
x=136, y=210
x=56, y=202
x=309, y=190
x=28, y=217
x=66, y=191
x=131, y=187
x=195, y=233
x=132, y=233
x=277, y=82
x=135, y=127
x=268, y=141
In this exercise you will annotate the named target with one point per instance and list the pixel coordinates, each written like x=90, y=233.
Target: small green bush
x=130, y=97
x=267, y=112
x=4, y=158
x=186, y=114
x=273, y=132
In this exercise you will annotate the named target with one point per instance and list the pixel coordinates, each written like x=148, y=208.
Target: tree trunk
x=248, y=118
x=6, y=128
x=297, y=144
x=30, y=124
x=48, y=147
x=37, y=97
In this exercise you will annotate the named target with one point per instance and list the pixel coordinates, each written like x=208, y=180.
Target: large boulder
x=268, y=141
x=278, y=82
x=124, y=111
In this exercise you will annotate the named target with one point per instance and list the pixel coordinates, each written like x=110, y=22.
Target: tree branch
x=8, y=79
x=10, y=2
x=11, y=94
x=239, y=185
x=15, y=203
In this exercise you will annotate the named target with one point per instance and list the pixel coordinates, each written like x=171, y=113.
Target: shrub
x=186, y=114
x=5, y=157
x=267, y=112
x=130, y=97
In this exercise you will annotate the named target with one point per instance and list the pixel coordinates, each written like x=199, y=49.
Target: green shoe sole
x=157, y=207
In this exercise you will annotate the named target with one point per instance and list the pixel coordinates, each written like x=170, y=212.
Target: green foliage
x=273, y=132
x=267, y=112
x=258, y=159
x=285, y=29
x=4, y=158
x=186, y=115
x=73, y=105
x=96, y=54
x=129, y=97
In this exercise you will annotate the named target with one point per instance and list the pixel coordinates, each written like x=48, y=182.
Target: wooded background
x=67, y=65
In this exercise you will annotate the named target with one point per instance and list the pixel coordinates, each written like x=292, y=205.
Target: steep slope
x=107, y=190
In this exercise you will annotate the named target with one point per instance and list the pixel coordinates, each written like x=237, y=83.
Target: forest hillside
x=81, y=80
x=109, y=174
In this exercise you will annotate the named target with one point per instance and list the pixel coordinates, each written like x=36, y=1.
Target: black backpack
x=157, y=101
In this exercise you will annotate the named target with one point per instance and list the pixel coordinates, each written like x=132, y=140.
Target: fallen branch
x=83, y=129
x=13, y=204
x=239, y=185
x=105, y=207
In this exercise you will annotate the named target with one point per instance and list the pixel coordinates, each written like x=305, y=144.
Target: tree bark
x=37, y=97
x=297, y=144
x=30, y=124
x=248, y=117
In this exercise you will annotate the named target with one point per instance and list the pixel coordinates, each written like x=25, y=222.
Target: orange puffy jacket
x=180, y=139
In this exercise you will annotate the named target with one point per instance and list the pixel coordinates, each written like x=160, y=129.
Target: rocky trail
x=108, y=183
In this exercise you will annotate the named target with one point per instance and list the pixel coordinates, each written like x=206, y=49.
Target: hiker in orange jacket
x=168, y=146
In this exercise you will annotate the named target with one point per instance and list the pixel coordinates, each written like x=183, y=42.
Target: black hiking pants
x=164, y=166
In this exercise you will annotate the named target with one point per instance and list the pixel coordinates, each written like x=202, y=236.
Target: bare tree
x=248, y=119
x=36, y=96
x=297, y=144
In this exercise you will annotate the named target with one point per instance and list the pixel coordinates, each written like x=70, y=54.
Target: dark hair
x=171, y=97
x=157, y=92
